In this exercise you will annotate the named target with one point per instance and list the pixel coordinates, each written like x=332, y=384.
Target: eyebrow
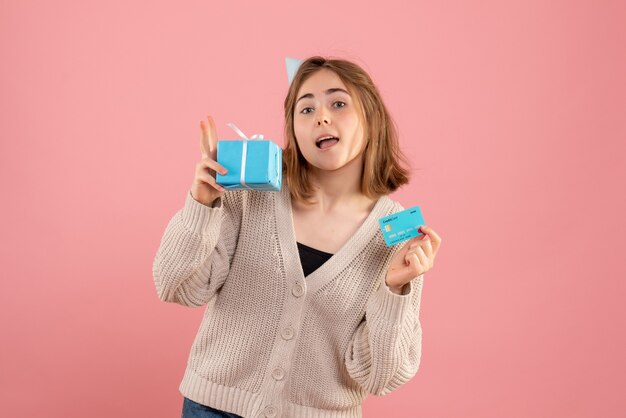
x=329, y=91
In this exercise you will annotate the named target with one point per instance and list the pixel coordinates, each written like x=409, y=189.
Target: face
x=325, y=108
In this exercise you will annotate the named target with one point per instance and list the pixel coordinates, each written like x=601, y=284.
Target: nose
x=325, y=119
x=323, y=116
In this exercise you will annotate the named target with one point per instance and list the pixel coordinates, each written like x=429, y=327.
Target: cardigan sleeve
x=385, y=350
x=193, y=258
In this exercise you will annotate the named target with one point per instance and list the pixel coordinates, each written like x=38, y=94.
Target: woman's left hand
x=416, y=257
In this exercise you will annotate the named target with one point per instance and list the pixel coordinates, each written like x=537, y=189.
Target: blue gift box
x=251, y=163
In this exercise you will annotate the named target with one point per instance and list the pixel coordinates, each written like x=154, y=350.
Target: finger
x=427, y=247
x=421, y=255
x=413, y=242
x=436, y=239
x=204, y=140
x=214, y=165
x=212, y=138
x=210, y=180
x=414, y=263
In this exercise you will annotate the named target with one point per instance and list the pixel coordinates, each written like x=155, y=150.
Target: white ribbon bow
x=244, y=151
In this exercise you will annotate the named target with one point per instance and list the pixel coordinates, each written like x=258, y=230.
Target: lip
x=322, y=136
x=325, y=134
x=327, y=148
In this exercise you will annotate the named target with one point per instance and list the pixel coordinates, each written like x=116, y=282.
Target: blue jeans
x=193, y=409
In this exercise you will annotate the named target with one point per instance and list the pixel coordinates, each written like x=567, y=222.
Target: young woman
x=308, y=311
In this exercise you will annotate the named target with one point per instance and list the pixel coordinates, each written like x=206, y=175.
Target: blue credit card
x=402, y=226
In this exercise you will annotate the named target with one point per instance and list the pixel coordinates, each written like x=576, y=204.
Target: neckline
x=338, y=261
x=314, y=250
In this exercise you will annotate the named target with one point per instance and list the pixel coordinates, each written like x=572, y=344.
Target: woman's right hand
x=204, y=188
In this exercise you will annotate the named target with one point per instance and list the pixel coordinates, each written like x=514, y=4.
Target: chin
x=326, y=166
x=331, y=164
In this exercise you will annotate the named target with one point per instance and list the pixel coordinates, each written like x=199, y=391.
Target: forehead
x=320, y=81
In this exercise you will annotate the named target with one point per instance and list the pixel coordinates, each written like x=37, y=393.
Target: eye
x=343, y=104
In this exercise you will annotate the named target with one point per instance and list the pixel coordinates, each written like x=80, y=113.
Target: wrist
x=398, y=290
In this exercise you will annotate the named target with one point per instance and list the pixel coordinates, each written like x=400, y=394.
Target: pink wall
x=513, y=114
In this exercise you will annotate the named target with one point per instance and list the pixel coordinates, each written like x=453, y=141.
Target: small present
x=252, y=163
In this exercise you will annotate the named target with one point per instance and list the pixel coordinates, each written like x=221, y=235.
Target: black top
x=311, y=259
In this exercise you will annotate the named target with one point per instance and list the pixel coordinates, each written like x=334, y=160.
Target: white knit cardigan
x=273, y=343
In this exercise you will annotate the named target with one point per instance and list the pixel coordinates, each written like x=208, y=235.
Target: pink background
x=512, y=113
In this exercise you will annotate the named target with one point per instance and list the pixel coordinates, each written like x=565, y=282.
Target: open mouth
x=326, y=142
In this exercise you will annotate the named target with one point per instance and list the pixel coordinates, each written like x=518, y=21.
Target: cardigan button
x=287, y=333
x=297, y=290
x=270, y=411
x=278, y=373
